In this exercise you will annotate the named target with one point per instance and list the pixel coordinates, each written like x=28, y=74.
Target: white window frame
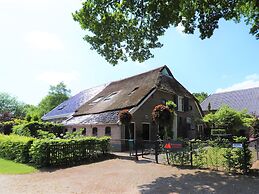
x=110, y=96
x=180, y=104
x=98, y=99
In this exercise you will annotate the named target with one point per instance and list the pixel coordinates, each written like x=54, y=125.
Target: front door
x=130, y=134
x=145, y=131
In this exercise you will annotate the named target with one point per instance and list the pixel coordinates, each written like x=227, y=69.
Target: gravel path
x=126, y=176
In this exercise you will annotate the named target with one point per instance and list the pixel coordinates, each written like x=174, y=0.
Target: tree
x=57, y=94
x=229, y=119
x=200, y=96
x=11, y=107
x=122, y=29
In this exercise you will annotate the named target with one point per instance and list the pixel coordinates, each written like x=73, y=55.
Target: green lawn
x=10, y=167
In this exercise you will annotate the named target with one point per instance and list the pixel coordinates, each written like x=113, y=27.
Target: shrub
x=226, y=158
x=215, y=132
x=73, y=135
x=14, y=147
x=59, y=152
x=45, y=135
x=6, y=127
x=31, y=128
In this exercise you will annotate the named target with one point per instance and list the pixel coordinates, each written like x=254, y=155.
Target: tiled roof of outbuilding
x=110, y=117
x=239, y=100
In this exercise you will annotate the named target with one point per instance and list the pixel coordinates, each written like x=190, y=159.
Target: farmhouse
x=247, y=99
x=96, y=110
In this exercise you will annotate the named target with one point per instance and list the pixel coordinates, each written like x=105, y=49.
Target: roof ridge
x=146, y=72
x=257, y=87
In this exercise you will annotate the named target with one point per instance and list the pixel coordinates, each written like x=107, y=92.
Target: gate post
x=191, y=152
x=156, y=151
x=136, y=150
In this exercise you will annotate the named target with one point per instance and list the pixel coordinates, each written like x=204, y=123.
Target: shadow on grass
x=203, y=182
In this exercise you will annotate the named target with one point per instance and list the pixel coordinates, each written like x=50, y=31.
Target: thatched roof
x=126, y=93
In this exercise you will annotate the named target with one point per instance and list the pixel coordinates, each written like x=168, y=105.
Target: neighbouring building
x=247, y=99
x=98, y=112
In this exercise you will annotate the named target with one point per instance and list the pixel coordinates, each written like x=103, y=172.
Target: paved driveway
x=126, y=176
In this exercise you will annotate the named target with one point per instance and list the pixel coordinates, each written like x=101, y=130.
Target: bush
x=14, y=147
x=59, y=152
x=6, y=127
x=31, y=128
x=215, y=132
x=226, y=158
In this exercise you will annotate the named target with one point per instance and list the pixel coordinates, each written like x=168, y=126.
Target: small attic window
x=165, y=72
x=110, y=96
x=98, y=99
x=133, y=90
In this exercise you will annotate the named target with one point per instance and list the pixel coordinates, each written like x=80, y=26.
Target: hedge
x=6, y=127
x=62, y=152
x=228, y=159
x=14, y=147
x=31, y=128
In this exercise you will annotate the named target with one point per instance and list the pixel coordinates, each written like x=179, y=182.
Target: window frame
x=110, y=96
x=110, y=134
x=93, y=134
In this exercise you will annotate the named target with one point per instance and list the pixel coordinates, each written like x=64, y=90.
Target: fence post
x=191, y=153
x=245, y=159
x=257, y=149
x=142, y=149
x=136, y=150
x=156, y=151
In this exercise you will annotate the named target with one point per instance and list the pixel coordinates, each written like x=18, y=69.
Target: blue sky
x=41, y=45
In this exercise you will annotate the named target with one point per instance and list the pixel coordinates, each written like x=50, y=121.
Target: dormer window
x=110, y=96
x=133, y=90
x=98, y=99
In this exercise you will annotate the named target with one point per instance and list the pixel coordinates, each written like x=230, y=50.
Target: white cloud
x=44, y=41
x=180, y=29
x=250, y=81
x=54, y=78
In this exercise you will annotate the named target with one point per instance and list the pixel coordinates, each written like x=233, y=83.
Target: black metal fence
x=179, y=152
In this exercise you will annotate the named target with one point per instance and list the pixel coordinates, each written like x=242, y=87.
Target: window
x=133, y=90
x=145, y=131
x=180, y=104
x=84, y=131
x=74, y=130
x=108, y=131
x=94, y=132
x=98, y=99
x=110, y=96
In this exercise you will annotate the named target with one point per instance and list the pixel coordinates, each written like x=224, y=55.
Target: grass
x=10, y=167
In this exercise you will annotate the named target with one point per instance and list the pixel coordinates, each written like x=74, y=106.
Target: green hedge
x=14, y=147
x=61, y=152
x=215, y=132
x=229, y=159
x=31, y=128
x=6, y=127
